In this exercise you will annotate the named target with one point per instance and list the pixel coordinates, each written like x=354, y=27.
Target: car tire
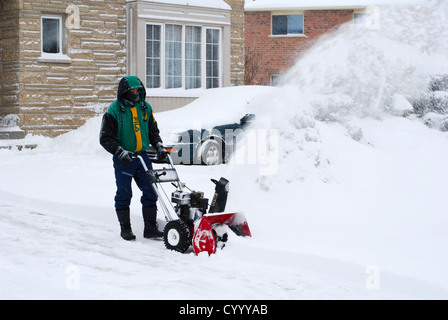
x=211, y=153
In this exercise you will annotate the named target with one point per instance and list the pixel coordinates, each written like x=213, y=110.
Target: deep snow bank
x=354, y=73
x=349, y=177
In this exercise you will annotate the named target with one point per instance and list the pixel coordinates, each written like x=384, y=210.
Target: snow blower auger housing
x=191, y=225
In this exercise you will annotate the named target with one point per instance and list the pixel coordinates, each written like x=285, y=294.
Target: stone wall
x=237, y=41
x=56, y=95
x=9, y=57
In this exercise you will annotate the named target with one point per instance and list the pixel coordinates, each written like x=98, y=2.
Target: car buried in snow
x=205, y=146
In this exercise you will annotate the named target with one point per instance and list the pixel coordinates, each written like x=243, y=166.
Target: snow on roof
x=217, y=4
x=255, y=5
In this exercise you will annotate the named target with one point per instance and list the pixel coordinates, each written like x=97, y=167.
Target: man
x=128, y=128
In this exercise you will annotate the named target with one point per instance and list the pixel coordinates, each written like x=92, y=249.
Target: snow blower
x=191, y=225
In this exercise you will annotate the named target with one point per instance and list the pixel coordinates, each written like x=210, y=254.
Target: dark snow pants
x=124, y=173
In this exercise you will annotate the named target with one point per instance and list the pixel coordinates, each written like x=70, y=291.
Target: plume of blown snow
x=360, y=70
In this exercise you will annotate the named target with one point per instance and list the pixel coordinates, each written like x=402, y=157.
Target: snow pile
x=431, y=106
x=357, y=71
x=352, y=181
x=215, y=107
x=83, y=141
x=354, y=73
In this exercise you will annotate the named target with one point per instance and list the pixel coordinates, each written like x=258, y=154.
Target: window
x=212, y=58
x=193, y=53
x=182, y=56
x=173, y=56
x=287, y=24
x=359, y=16
x=275, y=80
x=153, y=56
x=52, y=34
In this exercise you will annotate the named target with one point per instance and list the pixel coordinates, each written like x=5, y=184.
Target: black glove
x=123, y=155
x=161, y=152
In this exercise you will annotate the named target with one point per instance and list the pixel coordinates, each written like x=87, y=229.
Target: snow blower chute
x=191, y=225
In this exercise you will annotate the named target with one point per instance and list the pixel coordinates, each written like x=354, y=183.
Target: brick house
x=61, y=60
x=277, y=33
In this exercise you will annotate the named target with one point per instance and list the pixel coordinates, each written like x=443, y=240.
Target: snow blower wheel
x=177, y=236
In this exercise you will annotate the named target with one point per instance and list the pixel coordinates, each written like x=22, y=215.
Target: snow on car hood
x=215, y=107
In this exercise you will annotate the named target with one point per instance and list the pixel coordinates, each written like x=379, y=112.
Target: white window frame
x=182, y=55
x=60, y=57
x=184, y=70
x=288, y=13
x=203, y=55
x=162, y=52
x=204, y=83
x=54, y=17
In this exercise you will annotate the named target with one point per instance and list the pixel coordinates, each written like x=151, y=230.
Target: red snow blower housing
x=191, y=225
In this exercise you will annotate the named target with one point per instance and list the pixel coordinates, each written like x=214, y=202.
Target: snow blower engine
x=191, y=225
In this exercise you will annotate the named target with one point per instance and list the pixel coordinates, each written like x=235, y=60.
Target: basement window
x=287, y=24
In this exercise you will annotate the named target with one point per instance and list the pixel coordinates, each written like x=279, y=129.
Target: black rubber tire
x=177, y=236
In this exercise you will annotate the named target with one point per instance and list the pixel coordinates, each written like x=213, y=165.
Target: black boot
x=125, y=224
x=150, y=217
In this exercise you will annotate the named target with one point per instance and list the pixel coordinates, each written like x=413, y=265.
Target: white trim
x=181, y=19
x=209, y=15
x=202, y=56
x=162, y=52
x=303, y=8
x=164, y=11
x=270, y=5
x=208, y=4
x=220, y=59
x=54, y=58
x=182, y=58
x=289, y=35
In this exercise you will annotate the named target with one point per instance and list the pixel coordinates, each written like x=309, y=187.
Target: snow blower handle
x=137, y=156
x=158, y=175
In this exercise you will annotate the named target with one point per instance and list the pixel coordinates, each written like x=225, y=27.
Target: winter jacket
x=118, y=127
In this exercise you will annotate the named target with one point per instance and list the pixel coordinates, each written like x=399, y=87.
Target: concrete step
x=8, y=135
x=17, y=146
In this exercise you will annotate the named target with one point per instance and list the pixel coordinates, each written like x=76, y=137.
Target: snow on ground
x=370, y=225
x=344, y=200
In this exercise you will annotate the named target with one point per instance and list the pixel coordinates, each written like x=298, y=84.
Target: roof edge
x=278, y=8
